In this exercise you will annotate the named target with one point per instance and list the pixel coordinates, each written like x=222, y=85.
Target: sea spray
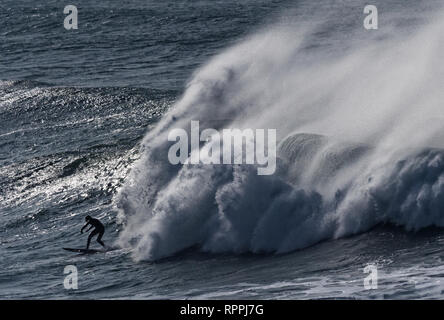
x=360, y=143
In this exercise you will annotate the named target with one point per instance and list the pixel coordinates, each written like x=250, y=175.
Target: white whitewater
x=360, y=134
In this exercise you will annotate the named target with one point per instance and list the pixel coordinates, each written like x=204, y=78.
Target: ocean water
x=85, y=116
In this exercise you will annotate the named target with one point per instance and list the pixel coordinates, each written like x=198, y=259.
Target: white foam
x=372, y=107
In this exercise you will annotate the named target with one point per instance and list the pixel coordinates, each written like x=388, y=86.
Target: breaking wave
x=360, y=143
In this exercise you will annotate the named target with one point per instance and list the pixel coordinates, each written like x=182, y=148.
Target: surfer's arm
x=81, y=230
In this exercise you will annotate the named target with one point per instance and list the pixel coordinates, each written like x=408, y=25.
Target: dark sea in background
x=74, y=108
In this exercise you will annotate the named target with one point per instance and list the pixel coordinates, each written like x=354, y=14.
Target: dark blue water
x=74, y=108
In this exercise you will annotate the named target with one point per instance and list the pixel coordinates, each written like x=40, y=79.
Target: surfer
x=98, y=229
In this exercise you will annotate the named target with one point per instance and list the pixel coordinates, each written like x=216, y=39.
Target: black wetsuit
x=98, y=229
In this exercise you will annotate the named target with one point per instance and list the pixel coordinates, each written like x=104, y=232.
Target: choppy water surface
x=85, y=113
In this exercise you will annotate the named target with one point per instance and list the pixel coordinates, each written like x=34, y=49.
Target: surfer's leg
x=99, y=238
x=90, y=237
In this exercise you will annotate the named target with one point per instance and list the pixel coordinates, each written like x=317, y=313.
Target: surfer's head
x=87, y=218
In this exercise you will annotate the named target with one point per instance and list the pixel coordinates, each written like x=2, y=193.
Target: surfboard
x=85, y=251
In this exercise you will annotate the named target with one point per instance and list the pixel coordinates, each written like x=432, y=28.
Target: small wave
x=23, y=84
